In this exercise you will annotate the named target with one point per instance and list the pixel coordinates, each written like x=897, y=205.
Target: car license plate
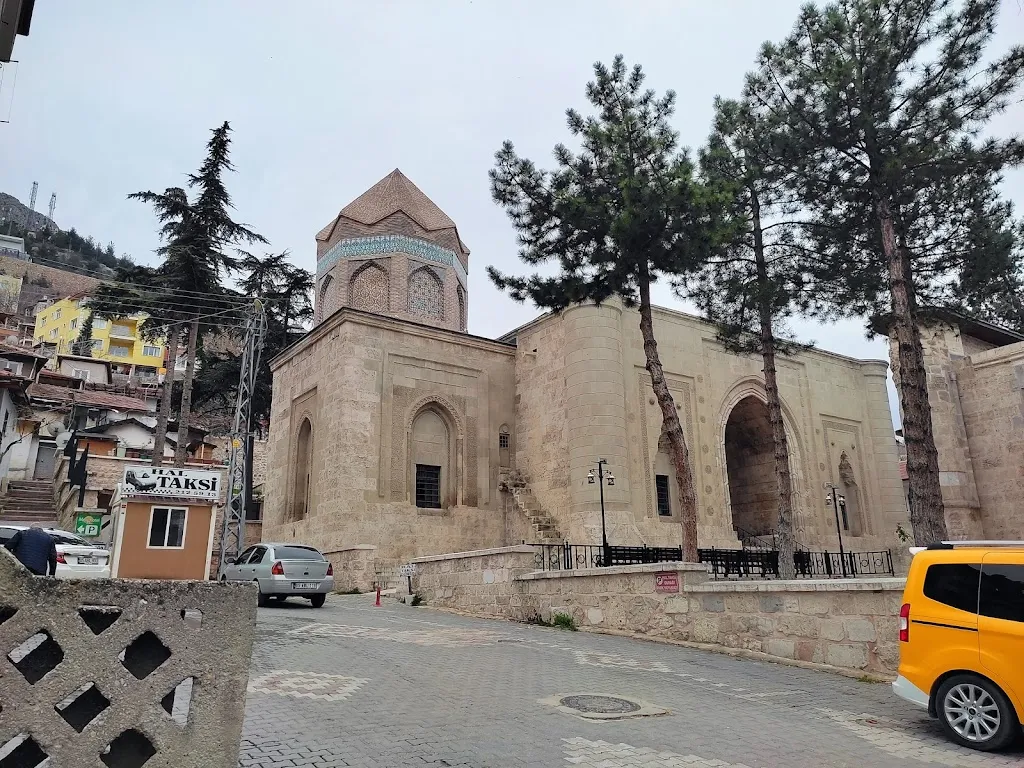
x=87, y=561
x=306, y=585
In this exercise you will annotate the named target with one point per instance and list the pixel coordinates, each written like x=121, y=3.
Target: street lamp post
x=600, y=478
x=837, y=501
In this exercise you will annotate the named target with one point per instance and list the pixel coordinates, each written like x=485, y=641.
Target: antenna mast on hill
x=32, y=199
x=53, y=204
x=232, y=533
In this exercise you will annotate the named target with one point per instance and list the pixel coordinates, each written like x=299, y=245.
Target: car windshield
x=297, y=553
x=6, y=534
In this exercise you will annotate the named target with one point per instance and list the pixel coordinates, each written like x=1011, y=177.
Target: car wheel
x=975, y=713
x=261, y=599
x=318, y=600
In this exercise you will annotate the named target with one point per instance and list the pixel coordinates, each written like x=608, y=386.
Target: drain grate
x=600, y=705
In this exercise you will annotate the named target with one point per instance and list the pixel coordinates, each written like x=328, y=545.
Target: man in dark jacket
x=35, y=549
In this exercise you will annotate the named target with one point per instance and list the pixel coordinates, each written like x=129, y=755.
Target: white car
x=76, y=557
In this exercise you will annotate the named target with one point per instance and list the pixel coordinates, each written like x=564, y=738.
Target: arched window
x=303, y=470
x=369, y=289
x=431, y=460
x=426, y=294
x=849, y=508
x=504, y=446
x=325, y=298
x=666, y=491
x=462, y=308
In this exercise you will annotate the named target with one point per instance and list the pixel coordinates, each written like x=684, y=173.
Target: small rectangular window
x=167, y=527
x=149, y=351
x=428, y=486
x=1002, y=592
x=955, y=585
x=74, y=324
x=503, y=440
x=97, y=343
x=99, y=323
x=664, y=503
x=118, y=351
x=56, y=314
x=7, y=419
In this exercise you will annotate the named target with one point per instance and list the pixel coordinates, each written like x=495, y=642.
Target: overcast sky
x=328, y=96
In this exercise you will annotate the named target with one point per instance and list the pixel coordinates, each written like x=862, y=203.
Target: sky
x=328, y=96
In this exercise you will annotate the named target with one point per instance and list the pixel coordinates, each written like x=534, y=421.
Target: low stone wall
x=848, y=623
x=137, y=667
x=480, y=582
x=353, y=567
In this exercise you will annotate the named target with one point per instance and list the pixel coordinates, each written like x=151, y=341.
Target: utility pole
x=232, y=534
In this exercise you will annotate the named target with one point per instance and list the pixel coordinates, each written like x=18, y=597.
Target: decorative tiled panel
x=378, y=245
x=426, y=294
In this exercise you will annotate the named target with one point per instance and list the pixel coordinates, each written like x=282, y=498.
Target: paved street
x=354, y=685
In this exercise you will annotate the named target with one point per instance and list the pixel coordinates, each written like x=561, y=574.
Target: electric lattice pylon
x=232, y=534
x=53, y=204
x=32, y=199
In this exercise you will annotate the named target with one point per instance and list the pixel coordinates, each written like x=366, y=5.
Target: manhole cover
x=602, y=705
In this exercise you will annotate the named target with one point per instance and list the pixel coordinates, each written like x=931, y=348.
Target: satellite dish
x=62, y=440
x=53, y=429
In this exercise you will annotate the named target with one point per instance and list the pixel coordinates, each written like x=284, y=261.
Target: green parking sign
x=88, y=524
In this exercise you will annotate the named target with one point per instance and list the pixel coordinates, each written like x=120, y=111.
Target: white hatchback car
x=76, y=557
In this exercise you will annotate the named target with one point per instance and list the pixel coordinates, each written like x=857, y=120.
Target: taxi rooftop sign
x=170, y=481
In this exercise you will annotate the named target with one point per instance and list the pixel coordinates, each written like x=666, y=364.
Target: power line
x=161, y=290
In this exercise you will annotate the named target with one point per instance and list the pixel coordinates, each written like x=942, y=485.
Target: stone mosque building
x=393, y=427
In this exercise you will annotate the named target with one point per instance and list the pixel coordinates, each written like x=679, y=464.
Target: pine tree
x=83, y=344
x=286, y=291
x=615, y=217
x=758, y=281
x=197, y=235
x=883, y=102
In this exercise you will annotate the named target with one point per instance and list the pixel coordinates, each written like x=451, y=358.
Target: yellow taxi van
x=962, y=639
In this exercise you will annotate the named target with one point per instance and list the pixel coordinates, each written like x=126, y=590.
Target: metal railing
x=764, y=564
x=566, y=556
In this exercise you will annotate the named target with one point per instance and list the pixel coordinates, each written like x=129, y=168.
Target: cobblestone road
x=354, y=685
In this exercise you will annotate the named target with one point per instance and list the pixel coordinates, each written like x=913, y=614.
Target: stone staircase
x=27, y=502
x=543, y=524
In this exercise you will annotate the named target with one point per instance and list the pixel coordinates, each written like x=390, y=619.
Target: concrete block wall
x=125, y=645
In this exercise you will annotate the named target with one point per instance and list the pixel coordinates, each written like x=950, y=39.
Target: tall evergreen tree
x=615, y=216
x=883, y=102
x=83, y=343
x=286, y=292
x=758, y=281
x=198, y=235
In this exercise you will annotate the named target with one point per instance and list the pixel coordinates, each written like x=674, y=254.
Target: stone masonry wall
x=992, y=398
x=480, y=582
x=353, y=567
x=844, y=623
x=583, y=394
x=68, y=691
x=361, y=380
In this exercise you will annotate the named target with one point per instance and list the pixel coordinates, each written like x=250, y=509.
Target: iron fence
x=563, y=557
x=764, y=564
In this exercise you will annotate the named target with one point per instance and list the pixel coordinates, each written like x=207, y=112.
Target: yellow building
x=118, y=341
